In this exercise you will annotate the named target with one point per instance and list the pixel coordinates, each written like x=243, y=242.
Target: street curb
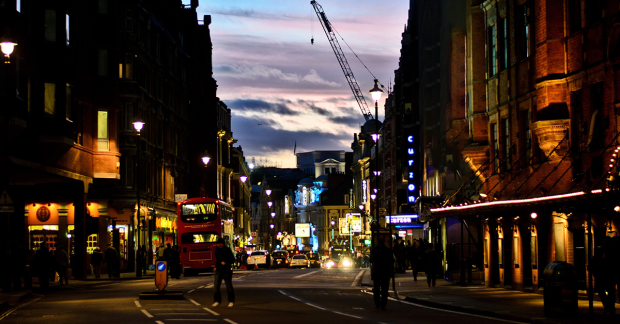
x=14, y=300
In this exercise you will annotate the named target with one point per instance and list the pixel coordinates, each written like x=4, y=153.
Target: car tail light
x=305, y=261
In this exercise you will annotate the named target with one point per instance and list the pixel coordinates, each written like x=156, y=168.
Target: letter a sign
x=161, y=275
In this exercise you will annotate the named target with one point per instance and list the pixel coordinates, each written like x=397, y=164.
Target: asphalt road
x=265, y=296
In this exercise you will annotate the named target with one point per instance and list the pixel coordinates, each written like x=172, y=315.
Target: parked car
x=300, y=260
x=279, y=258
x=261, y=258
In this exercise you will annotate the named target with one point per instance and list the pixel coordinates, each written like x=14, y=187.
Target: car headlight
x=330, y=264
x=346, y=263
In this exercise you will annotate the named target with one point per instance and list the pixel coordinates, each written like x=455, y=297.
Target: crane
x=344, y=65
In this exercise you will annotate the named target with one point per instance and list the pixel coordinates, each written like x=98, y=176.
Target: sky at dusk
x=281, y=88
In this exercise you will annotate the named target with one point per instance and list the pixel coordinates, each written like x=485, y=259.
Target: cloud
x=348, y=120
x=255, y=105
x=259, y=71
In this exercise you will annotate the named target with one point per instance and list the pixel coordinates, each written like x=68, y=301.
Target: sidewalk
x=11, y=299
x=493, y=302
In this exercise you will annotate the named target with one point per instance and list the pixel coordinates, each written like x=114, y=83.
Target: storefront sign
x=400, y=219
x=302, y=230
x=364, y=190
x=43, y=214
x=413, y=167
x=356, y=224
x=180, y=197
x=286, y=212
x=402, y=233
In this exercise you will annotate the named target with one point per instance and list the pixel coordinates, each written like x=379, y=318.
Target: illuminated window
x=18, y=6
x=516, y=250
x=50, y=98
x=91, y=243
x=50, y=25
x=102, y=131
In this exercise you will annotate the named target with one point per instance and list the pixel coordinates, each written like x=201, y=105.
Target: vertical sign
x=286, y=212
x=351, y=201
x=364, y=194
x=161, y=275
x=412, y=169
x=305, y=202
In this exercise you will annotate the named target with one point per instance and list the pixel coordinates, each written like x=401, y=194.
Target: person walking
x=95, y=261
x=605, y=285
x=42, y=261
x=413, y=254
x=167, y=252
x=111, y=258
x=382, y=268
x=224, y=260
x=62, y=264
x=174, y=263
x=160, y=252
x=432, y=264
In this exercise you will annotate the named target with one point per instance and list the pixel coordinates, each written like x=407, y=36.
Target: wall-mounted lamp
x=271, y=226
x=373, y=196
x=268, y=192
x=617, y=209
x=533, y=215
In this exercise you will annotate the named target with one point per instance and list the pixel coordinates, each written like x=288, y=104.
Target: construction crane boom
x=342, y=60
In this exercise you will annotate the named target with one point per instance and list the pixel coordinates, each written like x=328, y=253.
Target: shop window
x=500, y=249
x=91, y=243
x=50, y=98
x=50, y=25
x=559, y=252
x=102, y=131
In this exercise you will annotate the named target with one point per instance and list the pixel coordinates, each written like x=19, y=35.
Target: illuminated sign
x=302, y=229
x=305, y=200
x=402, y=233
x=400, y=219
x=413, y=167
x=355, y=223
x=161, y=275
x=351, y=201
x=198, y=209
x=286, y=205
x=364, y=194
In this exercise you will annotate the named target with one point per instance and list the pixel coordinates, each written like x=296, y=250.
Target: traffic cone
x=255, y=265
x=242, y=267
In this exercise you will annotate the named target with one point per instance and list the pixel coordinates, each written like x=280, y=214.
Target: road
x=265, y=296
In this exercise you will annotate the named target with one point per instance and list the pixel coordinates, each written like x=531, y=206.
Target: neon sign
x=305, y=201
x=364, y=192
x=286, y=205
x=400, y=219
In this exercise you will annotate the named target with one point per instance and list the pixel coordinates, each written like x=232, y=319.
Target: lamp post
x=243, y=179
x=138, y=127
x=269, y=204
x=7, y=46
x=205, y=160
x=376, y=93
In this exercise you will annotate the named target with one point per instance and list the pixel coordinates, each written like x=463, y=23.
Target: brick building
x=541, y=112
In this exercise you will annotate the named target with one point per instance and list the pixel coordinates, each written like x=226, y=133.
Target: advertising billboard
x=302, y=230
x=356, y=224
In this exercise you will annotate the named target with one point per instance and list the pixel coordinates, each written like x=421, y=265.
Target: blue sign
x=161, y=266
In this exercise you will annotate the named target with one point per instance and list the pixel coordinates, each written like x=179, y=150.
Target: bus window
x=203, y=237
x=198, y=213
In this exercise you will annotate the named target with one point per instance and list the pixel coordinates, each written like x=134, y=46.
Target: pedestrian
x=413, y=254
x=95, y=261
x=160, y=252
x=382, y=269
x=43, y=268
x=224, y=260
x=167, y=252
x=602, y=270
x=144, y=258
x=62, y=264
x=111, y=258
x=432, y=264
x=174, y=263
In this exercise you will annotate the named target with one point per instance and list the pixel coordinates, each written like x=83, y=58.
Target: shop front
x=119, y=235
x=164, y=231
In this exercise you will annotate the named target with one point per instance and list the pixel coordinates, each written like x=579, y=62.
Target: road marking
x=212, y=312
x=7, y=313
x=180, y=314
x=358, y=278
x=137, y=303
x=208, y=286
x=167, y=309
x=229, y=321
x=146, y=313
x=193, y=301
x=200, y=287
x=319, y=307
x=191, y=291
x=159, y=322
x=191, y=319
x=303, y=275
x=450, y=311
x=345, y=314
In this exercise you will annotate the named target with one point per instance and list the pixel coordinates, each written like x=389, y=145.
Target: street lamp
x=7, y=46
x=137, y=125
x=243, y=179
x=376, y=93
x=269, y=204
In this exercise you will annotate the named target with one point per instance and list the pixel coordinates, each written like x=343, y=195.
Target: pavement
x=492, y=302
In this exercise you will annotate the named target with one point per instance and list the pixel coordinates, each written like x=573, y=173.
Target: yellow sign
x=161, y=275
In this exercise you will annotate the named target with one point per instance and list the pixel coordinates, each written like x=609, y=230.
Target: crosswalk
x=173, y=311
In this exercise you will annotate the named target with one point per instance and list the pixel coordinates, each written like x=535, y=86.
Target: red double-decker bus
x=201, y=222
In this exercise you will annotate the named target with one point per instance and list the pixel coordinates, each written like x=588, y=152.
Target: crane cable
x=373, y=76
x=312, y=27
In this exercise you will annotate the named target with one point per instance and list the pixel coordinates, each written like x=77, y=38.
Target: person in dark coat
x=167, y=252
x=605, y=285
x=413, y=254
x=432, y=264
x=43, y=266
x=62, y=264
x=95, y=260
x=382, y=269
x=111, y=259
x=224, y=260
x=174, y=263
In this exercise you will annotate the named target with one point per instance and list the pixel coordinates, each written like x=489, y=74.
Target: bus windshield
x=198, y=213
x=202, y=237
